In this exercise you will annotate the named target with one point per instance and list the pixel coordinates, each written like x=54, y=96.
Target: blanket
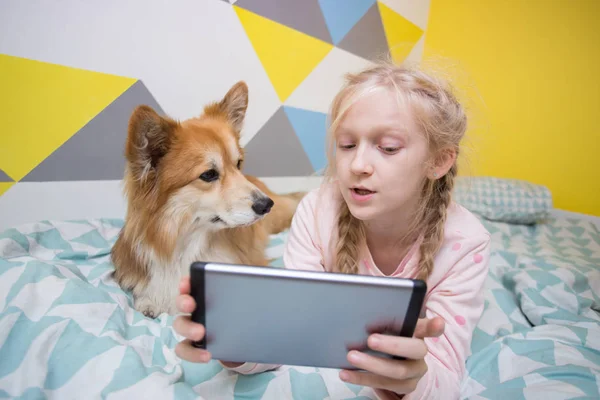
x=68, y=331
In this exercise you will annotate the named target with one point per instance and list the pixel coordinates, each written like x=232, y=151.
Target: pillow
x=505, y=200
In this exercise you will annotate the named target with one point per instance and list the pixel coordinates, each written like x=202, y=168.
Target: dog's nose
x=262, y=205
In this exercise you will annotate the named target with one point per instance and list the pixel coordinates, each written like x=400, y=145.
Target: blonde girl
x=385, y=209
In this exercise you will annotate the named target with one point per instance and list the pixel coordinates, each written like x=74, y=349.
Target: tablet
x=303, y=318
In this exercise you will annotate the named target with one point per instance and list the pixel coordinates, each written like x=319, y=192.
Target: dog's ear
x=235, y=104
x=148, y=139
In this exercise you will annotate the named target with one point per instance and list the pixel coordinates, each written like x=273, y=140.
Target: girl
x=385, y=209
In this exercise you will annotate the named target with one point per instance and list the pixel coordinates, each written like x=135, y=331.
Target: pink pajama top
x=454, y=289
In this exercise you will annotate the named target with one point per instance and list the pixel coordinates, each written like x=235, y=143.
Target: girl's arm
x=459, y=300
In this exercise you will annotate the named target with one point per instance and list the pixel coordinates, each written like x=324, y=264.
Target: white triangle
x=493, y=319
x=470, y=388
x=416, y=54
x=539, y=387
x=35, y=298
x=511, y=365
x=72, y=230
x=85, y=269
x=218, y=387
x=66, y=272
x=558, y=294
x=319, y=88
x=555, y=333
x=416, y=12
x=567, y=355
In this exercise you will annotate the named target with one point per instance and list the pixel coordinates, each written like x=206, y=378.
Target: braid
x=351, y=234
x=434, y=219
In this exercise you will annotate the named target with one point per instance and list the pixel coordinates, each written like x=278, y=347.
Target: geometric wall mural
x=292, y=39
x=95, y=152
x=69, y=84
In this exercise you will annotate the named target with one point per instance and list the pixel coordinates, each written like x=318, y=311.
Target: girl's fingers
x=393, y=369
x=429, y=327
x=184, y=326
x=185, y=303
x=378, y=381
x=414, y=349
x=186, y=351
x=184, y=285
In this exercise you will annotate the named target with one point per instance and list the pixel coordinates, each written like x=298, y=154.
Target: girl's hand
x=192, y=331
x=397, y=376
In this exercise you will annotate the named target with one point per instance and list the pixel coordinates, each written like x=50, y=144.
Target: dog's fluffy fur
x=189, y=201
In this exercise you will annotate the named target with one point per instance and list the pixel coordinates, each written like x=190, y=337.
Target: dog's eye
x=210, y=175
x=239, y=164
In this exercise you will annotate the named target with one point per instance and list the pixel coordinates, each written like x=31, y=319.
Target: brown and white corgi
x=188, y=200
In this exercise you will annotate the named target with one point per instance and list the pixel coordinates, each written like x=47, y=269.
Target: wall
x=535, y=66
x=71, y=72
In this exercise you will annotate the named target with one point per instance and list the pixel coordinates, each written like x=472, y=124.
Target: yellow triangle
x=42, y=105
x=401, y=34
x=287, y=55
x=4, y=186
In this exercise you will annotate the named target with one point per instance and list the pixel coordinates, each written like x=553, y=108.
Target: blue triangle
x=51, y=239
x=342, y=15
x=308, y=386
x=310, y=127
x=252, y=386
x=92, y=239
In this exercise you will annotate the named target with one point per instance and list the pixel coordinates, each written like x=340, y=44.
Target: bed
x=68, y=331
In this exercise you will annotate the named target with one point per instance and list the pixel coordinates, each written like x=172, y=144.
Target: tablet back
x=282, y=316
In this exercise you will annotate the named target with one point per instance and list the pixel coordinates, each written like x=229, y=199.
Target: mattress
x=68, y=331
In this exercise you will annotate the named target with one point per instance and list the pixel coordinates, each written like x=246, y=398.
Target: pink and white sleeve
x=459, y=300
x=301, y=252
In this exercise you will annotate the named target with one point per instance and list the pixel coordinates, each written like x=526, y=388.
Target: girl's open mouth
x=362, y=192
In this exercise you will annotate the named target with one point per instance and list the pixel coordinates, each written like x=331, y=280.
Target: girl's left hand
x=398, y=376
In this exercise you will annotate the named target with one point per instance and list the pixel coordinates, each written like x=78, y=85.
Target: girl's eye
x=210, y=175
x=346, y=146
x=390, y=150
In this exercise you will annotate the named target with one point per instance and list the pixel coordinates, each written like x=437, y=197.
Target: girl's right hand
x=191, y=330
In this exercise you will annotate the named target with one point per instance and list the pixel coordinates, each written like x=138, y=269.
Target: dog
x=188, y=200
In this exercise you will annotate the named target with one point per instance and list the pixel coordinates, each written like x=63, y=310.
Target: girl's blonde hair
x=440, y=118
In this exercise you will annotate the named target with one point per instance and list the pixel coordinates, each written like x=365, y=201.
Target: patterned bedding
x=68, y=331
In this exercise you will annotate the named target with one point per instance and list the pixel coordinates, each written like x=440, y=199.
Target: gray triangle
x=4, y=177
x=367, y=37
x=96, y=151
x=303, y=15
x=276, y=150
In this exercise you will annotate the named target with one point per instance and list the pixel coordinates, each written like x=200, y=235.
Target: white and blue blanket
x=68, y=331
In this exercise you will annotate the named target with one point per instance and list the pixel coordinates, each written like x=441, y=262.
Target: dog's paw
x=147, y=307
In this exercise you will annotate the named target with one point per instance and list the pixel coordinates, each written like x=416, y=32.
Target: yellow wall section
x=535, y=65
x=287, y=55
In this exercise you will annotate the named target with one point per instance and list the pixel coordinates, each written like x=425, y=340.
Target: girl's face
x=381, y=158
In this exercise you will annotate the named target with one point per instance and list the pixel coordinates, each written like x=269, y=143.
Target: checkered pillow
x=505, y=200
